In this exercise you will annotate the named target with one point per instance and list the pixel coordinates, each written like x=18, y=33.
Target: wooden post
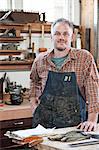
x=87, y=21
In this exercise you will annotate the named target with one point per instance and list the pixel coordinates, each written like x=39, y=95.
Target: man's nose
x=61, y=36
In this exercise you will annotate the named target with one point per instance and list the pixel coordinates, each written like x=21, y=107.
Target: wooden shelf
x=19, y=65
x=18, y=62
x=11, y=52
x=11, y=39
x=11, y=25
x=24, y=28
x=16, y=65
x=37, y=28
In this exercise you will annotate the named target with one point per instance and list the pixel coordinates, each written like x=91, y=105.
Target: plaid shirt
x=79, y=61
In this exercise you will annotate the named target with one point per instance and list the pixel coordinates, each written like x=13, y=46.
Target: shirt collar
x=72, y=54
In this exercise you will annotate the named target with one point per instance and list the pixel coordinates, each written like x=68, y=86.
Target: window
x=3, y=5
x=52, y=8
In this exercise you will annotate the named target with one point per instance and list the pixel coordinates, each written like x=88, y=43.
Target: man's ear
x=73, y=37
x=51, y=36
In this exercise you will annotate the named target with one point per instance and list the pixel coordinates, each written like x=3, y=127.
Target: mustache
x=61, y=40
x=61, y=49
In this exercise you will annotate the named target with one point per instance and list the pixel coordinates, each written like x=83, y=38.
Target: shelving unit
x=15, y=65
x=19, y=65
x=37, y=28
x=17, y=27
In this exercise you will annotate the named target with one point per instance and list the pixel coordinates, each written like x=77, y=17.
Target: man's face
x=62, y=36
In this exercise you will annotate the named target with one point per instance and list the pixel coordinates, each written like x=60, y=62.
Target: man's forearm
x=93, y=117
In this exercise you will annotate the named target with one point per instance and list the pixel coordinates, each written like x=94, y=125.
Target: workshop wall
x=23, y=77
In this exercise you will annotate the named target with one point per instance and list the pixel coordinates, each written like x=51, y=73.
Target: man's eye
x=57, y=33
x=66, y=34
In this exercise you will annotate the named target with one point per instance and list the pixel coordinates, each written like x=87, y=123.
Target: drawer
x=7, y=144
x=3, y=131
x=5, y=141
x=16, y=123
x=12, y=125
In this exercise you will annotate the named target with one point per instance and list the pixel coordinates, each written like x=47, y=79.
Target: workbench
x=13, y=117
x=56, y=145
x=20, y=117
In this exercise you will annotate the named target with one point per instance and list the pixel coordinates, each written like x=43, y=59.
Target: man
x=62, y=81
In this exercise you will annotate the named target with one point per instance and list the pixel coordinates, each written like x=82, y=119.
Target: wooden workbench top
x=8, y=112
x=56, y=145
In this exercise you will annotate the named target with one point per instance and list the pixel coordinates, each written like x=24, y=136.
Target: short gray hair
x=62, y=20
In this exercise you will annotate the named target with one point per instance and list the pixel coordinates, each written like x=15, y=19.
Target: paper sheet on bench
x=21, y=134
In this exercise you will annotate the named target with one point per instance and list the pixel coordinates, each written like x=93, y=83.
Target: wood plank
x=11, y=25
x=11, y=52
x=37, y=28
x=91, y=20
x=16, y=65
x=15, y=62
x=15, y=68
x=8, y=112
x=11, y=39
x=87, y=21
x=83, y=22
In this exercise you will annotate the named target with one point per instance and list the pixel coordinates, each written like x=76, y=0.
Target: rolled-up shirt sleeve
x=91, y=84
x=35, y=87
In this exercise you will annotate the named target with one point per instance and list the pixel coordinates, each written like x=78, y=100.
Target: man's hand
x=90, y=124
x=87, y=126
x=34, y=103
